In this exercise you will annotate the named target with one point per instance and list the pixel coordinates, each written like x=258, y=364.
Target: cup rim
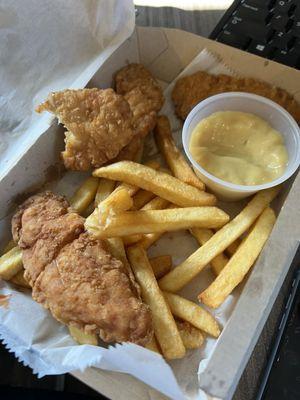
x=290, y=170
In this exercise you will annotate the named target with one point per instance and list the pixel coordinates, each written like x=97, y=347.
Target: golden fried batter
x=145, y=98
x=98, y=122
x=75, y=276
x=190, y=90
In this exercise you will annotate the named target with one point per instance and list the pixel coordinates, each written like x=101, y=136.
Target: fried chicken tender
x=98, y=123
x=145, y=99
x=75, y=276
x=190, y=90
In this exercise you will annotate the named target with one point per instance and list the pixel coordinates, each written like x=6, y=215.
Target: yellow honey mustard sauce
x=239, y=147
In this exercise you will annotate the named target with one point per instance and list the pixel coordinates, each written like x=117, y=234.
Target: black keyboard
x=268, y=28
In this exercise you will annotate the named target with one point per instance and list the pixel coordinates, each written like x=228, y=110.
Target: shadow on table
x=18, y=382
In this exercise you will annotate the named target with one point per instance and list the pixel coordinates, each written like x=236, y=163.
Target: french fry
x=192, y=338
x=232, y=248
x=11, y=263
x=152, y=345
x=131, y=239
x=141, y=198
x=156, y=204
x=147, y=205
x=119, y=200
x=105, y=188
x=149, y=238
x=84, y=196
x=175, y=159
x=186, y=271
x=203, y=235
x=192, y=313
x=20, y=280
x=161, y=265
x=158, y=182
x=151, y=221
x=241, y=262
x=133, y=189
x=165, y=328
x=82, y=337
x=117, y=249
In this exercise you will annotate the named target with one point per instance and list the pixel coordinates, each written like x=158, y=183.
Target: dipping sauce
x=239, y=147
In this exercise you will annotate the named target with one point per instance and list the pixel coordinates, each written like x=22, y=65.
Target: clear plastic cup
x=270, y=111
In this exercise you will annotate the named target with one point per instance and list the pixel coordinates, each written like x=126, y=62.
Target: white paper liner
x=44, y=344
x=47, y=46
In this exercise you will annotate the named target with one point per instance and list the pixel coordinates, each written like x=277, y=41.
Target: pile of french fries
x=134, y=205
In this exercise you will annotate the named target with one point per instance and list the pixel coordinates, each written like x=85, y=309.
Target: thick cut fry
x=118, y=201
x=161, y=265
x=117, y=249
x=131, y=239
x=153, y=345
x=141, y=198
x=20, y=280
x=133, y=189
x=11, y=263
x=9, y=246
x=158, y=182
x=84, y=195
x=192, y=313
x=186, y=271
x=203, y=235
x=105, y=188
x=175, y=159
x=231, y=249
x=192, y=338
x=82, y=337
x=149, y=238
x=156, y=204
x=151, y=221
x=165, y=328
x=241, y=262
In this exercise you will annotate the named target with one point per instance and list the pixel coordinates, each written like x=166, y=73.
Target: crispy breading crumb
x=75, y=276
x=190, y=90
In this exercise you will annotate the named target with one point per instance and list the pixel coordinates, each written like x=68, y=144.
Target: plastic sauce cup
x=268, y=110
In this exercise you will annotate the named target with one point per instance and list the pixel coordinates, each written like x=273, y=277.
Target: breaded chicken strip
x=98, y=123
x=75, y=276
x=190, y=90
x=145, y=98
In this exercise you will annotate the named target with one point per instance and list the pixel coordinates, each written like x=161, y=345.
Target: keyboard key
x=281, y=22
x=252, y=12
x=291, y=58
x=231, y=39
x=260, y=49
x=254, y=30
x=282, y=40
x=296, y=28
x=258, y=3
x=284, y=6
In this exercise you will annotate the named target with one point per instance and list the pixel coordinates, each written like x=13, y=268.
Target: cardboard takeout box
x=165, y=52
